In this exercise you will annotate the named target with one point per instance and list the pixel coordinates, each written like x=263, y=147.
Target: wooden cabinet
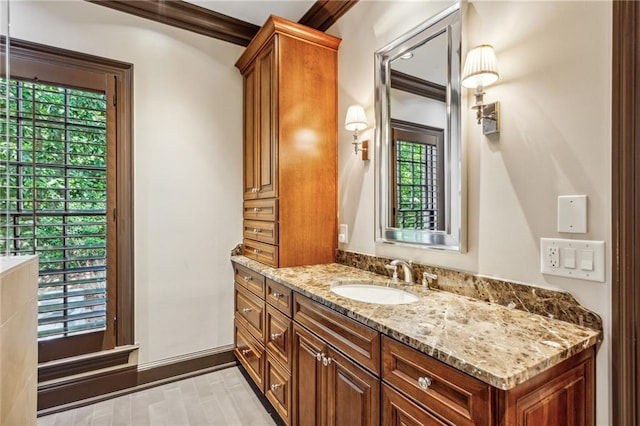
x=421, y=390
x=319, y=367
x=329, y=388
x=290, y=145
x=263, y=336
x=447, y=393
x=560, y=396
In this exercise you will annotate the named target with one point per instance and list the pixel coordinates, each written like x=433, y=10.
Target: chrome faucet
x=406, y=270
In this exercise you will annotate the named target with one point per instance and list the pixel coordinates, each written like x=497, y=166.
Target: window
x=418, y=177
x=68, y=152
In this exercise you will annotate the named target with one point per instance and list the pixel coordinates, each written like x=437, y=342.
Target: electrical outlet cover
x=586, y=262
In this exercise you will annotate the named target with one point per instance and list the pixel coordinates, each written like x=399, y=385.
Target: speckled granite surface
x=498, y=345
x=548, y=303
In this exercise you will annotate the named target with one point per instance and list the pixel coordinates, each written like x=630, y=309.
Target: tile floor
x=219, y=398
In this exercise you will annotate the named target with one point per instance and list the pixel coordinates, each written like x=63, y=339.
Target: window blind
x=417, y=185
x=55, y=200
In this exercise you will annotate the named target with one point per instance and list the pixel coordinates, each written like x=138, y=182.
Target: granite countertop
x=498, y=345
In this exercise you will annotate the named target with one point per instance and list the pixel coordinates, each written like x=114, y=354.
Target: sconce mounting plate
x=491, y=118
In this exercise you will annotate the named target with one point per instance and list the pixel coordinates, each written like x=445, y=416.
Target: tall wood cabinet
x=290, y=145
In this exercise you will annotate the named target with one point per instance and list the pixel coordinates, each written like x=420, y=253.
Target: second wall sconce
x=356, y=120
x=480, y=71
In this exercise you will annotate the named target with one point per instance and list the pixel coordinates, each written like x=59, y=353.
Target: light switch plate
x=343, y=233
x=581, y=259
x=572, y=214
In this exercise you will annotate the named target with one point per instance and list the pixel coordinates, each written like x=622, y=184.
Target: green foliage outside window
x=53, y=196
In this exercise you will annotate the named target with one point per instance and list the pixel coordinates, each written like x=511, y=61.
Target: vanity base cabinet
x=561, y=396
x=330, y=389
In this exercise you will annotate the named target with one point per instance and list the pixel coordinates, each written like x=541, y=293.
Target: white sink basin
x=374, y=294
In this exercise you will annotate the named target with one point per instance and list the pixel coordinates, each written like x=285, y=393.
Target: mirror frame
x=453, y=237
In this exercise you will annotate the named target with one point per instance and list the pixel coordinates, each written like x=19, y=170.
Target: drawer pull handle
x=245, y=351
x=257, y=251
x=246, y=310
x=257, y=209
x=256, y=231
x=247, y=278
x=319, y=356
x=275, y=336
x=275, y=386
x=424, y=383
x=277, y=295
x=326, y=360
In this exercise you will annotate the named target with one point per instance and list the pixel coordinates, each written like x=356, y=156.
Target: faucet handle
x=393, y=268
x=428, y=278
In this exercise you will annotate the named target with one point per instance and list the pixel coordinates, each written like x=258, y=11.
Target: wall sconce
x=481, y=70
x=356, y=121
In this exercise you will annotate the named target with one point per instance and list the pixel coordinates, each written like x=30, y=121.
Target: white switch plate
x=553, y=258
x=343, y=233
x=572, y=214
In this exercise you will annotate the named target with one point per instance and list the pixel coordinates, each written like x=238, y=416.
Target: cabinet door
x=308, y=401
x=353, y=395
x=250, y=179
x=267, y=123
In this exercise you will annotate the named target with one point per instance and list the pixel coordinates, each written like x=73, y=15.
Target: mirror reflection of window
x=417, y=196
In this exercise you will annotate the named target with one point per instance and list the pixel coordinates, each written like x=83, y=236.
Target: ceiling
x=257, y=11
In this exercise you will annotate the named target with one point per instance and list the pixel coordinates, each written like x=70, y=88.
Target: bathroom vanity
x=445, y=359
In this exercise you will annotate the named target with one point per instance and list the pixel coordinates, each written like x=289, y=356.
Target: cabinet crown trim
x=276, y=25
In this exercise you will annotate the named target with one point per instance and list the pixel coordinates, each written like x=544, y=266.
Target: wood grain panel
x=625, y=167
x=279, y=296
x=278, y=336
x=452, y=395
x=308, y=154
x=250, y=312
x=249, y=279
x=352, y=338
x=251, y=355
x=397, y=410
x=187, y=16
x=324, y=13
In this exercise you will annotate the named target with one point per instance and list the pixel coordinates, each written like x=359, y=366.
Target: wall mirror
x=419, y=173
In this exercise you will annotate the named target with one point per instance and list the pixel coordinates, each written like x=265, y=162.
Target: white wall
x=555, y=94
x=188, y=161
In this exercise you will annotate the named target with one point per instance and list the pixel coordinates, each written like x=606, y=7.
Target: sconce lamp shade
x=356, y=120
x=480, y=68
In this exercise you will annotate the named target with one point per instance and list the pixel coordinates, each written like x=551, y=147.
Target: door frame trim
x=625, y=197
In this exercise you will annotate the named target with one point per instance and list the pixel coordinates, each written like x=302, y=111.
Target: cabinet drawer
x=278, y=336
x=452, y=395
x=250, y=312
x=250, y=354
x=266, y=232
x=352, y=338
x=398, y=410
x=261, y=252
x=249, y=279
x=261, y=209
x=279, y=296
x=277, y=388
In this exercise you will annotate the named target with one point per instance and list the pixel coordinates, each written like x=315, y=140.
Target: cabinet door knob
x=256, y=251
x=245, y=351
x=319, y=356
x=247, y=278
x=424, y=383
x=277, y=295
x=275, y=336
x=246, y=310
x=326, y=360
x=256, y=231
x=275, y=386
x=257, y=209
